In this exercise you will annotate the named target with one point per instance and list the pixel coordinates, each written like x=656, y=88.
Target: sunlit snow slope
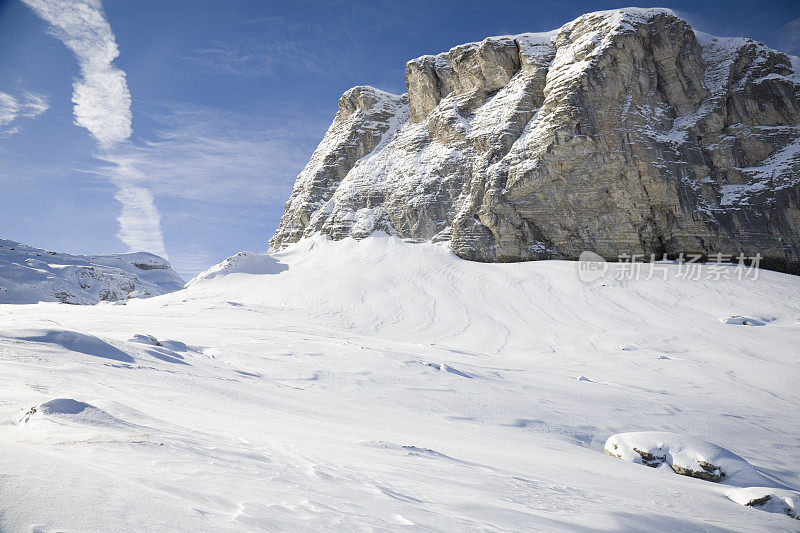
x=390, y=385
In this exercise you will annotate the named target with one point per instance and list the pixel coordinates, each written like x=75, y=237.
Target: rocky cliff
x=31, y=275
x=621, y=132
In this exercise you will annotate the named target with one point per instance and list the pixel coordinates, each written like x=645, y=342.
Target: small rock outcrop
x=621, y=132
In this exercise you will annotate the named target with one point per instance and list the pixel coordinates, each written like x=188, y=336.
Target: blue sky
x=189, y=140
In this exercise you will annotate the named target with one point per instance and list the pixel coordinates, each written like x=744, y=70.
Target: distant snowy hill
x=30, y=275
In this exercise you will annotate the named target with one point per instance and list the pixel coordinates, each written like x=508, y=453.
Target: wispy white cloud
x=101, y=97
x=213, y=172
x=332, y=39
x=102, y=105
x=12, y=108
x=277, y=43
x=205, y=155
x=788, y=37
x=139, y=220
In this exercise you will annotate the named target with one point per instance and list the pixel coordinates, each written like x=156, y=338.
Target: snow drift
x=380, y=383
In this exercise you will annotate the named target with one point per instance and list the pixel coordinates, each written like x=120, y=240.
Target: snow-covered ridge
x=610, y=22
x=30, y=275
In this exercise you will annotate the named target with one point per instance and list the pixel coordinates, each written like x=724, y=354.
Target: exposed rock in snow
x=700, y=459
x=623, y=131
x=685, y=455
x=767, y=499
x=30, y=275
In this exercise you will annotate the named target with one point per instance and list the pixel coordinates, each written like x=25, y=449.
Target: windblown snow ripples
x=468, y=374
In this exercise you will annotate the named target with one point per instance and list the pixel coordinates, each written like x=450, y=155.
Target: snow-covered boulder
x=697, y=458
x=31, y=275
x=769, y=499
x=687, y=456
x=68, y=410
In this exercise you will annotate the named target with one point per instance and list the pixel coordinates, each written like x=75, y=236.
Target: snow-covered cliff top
x=543, y=145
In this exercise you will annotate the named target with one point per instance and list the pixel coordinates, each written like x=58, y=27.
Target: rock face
x=31, y=275
x=622, y=132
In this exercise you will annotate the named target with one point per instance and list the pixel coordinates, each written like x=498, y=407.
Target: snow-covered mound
x=30, y=275
x=241, y=263
x=687, y=456
x=383, y=385
x=768, y=499
x=694, y=457
x=68, y=410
